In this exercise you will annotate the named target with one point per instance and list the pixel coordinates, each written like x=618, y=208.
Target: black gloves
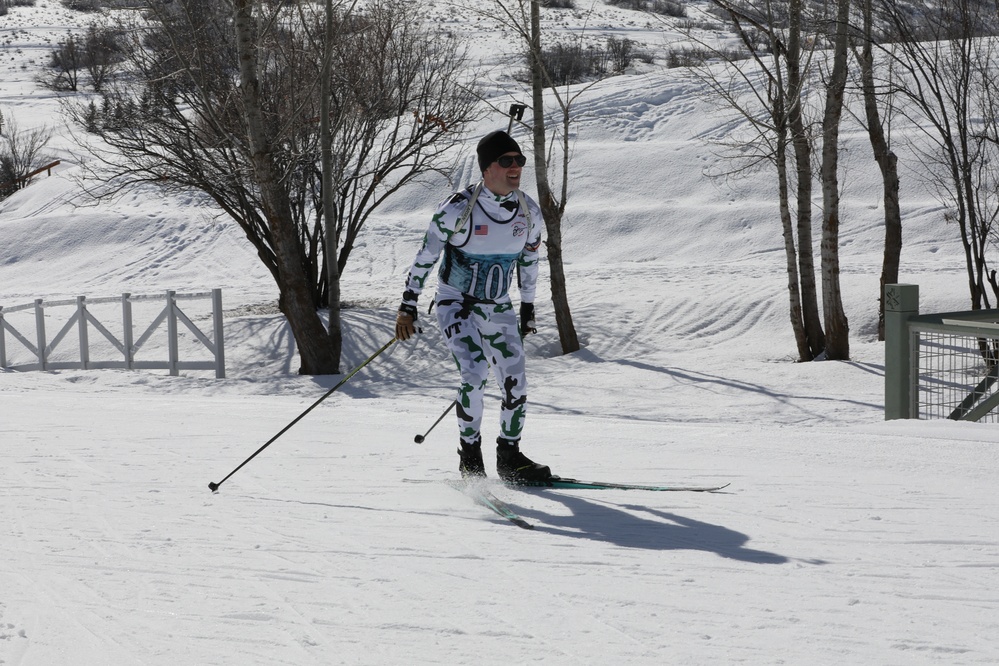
x=527, y=325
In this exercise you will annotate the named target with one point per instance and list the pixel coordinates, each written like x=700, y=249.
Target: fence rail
x=18, y=183
x=939, y=365
x=82, y=320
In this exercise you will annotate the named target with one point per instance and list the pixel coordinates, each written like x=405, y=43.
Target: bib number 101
x=495, y=284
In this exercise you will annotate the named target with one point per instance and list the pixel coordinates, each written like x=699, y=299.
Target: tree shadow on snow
x=651, y=529
x=682, y=375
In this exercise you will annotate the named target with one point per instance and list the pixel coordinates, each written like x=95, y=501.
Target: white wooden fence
x=128, y=346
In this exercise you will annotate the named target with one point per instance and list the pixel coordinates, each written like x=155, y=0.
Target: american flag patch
x=481, y=230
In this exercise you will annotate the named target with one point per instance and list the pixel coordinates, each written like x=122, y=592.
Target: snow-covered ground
x=842, y=539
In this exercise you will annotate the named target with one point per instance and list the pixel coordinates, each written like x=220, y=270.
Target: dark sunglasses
x=507, y=161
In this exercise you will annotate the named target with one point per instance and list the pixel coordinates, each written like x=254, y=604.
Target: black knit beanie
x=493, y=145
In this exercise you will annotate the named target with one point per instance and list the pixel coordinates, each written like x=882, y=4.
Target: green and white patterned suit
x=498, y=242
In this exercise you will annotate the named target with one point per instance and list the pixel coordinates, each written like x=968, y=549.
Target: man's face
x=503, y=180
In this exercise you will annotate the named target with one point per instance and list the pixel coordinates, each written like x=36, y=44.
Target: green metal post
x=901, y=303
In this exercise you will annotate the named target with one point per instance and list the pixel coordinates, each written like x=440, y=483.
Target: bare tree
x=777, y=30
x=949, y=81
x=96, y=52
x=21, y=152
x=262, y=135
x=180, y=121
x=836, y=325
x=326, y=165
x=798, y=60
x=101, y=54
x=63, y=73
x=400, y=100
x=775, y=75
x=874, y=97
x=552, y=206
x=551, y=144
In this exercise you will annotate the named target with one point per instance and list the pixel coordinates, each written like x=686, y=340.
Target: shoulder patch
x=457, y=197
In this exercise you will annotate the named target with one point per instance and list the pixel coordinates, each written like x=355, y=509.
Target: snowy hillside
x=842, y=539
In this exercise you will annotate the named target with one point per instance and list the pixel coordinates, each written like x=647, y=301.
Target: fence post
x=40, y=333
x=901, y=303
x=81, y=313
x=219, y=342
x=126, y=328
x=174, y=354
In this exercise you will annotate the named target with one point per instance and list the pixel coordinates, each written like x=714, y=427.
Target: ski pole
x=214, y=487
x=419, y=438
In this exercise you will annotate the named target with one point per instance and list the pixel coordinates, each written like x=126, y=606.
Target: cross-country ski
x=564, y=483
x=484, y=497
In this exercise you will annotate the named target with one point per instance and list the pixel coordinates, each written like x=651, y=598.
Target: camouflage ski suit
x=482, y=253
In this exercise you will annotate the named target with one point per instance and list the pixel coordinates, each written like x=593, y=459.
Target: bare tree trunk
x=811, y=321
x=837, y=328
x=329, y=215
x=787, y=224
x=551, y=210
x=783, y=95
x=295, y=299
x=887, y=162
x=942, y=52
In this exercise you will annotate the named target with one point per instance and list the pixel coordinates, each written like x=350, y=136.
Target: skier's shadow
x=655, y=530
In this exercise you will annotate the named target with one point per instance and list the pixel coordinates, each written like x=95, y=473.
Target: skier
x=487, y=232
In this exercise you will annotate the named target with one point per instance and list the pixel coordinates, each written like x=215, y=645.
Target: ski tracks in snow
x=631, y=113
x=669, y=313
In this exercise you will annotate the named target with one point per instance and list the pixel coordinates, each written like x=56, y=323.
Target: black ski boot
x=470, y=464
x=514, y=467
